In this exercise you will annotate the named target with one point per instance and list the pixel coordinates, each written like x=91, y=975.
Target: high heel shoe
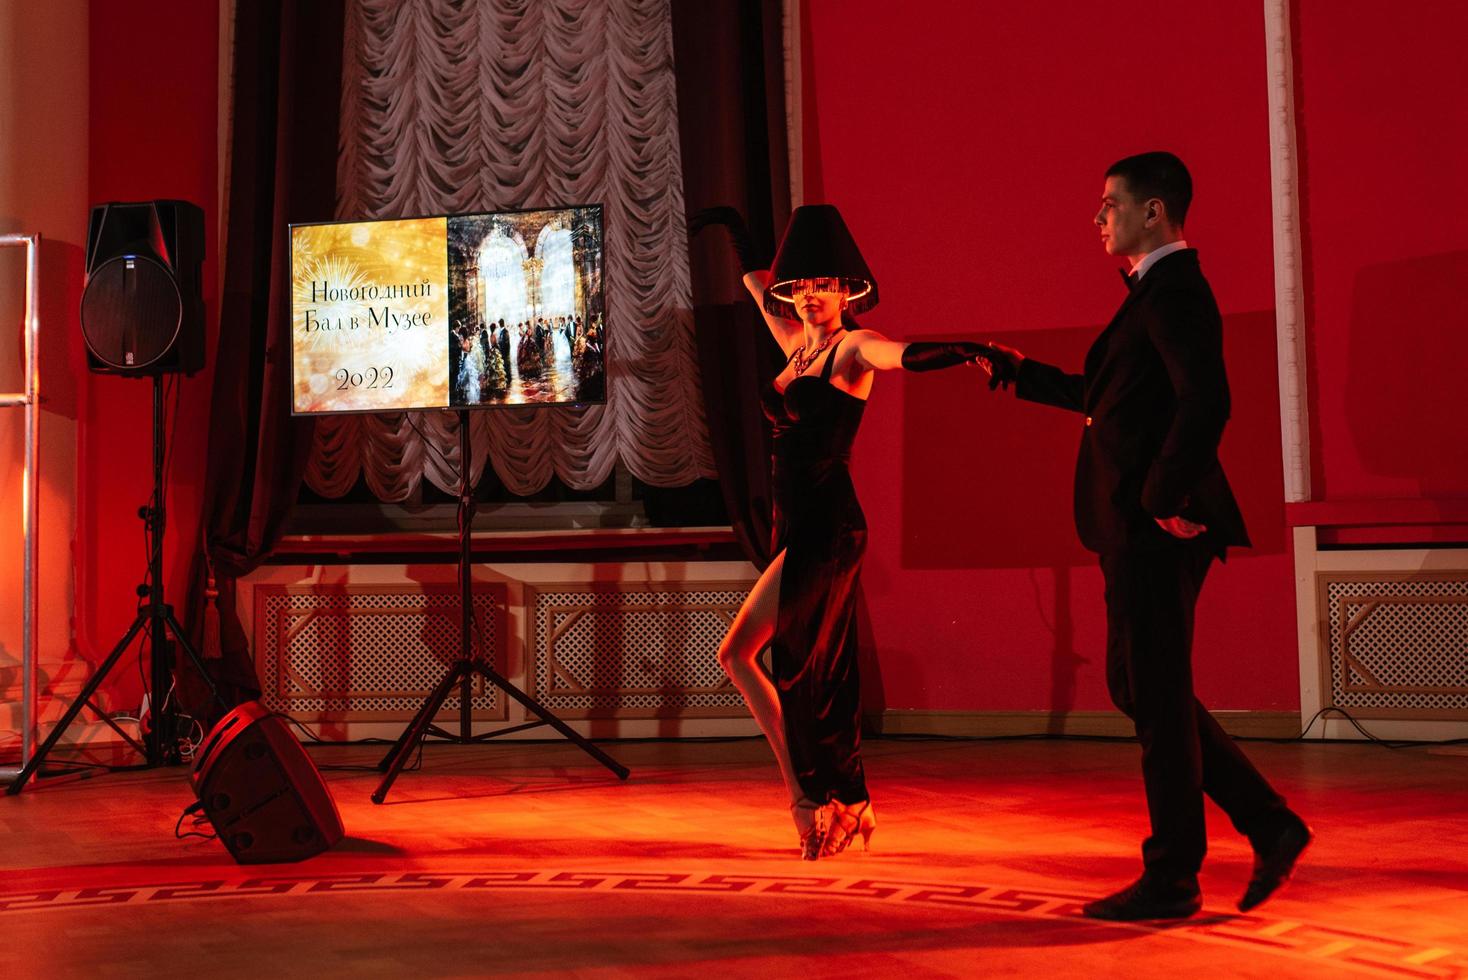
x=813, y=821
x=847, y=823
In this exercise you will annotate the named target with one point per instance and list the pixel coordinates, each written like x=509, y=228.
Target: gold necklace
x=802, y=362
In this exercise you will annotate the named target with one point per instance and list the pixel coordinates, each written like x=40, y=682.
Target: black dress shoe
x=1274, y=865
x=1143, y=899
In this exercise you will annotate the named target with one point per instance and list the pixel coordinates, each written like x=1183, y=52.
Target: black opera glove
x=750, y=255
x=925, y=355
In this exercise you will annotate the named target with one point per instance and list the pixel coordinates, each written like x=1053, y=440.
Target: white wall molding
x=794, y=103
x=1113, y=724
x=1289, y=298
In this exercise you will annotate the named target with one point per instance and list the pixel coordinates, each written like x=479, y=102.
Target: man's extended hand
x=1180, y=527
x=1002, y=369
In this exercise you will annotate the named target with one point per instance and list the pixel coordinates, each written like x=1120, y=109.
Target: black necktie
x=1130, y=278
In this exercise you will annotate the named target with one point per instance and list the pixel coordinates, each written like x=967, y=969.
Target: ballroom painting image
x=527, y=323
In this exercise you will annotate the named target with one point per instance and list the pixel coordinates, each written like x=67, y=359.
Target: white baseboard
x=990, y=724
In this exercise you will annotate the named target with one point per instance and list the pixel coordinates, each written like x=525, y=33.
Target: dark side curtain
x=282, y=167
x=729, y=60
x=731, y=123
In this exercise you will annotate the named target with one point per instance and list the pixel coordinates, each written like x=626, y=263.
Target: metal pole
x=161, y=677
x=30, y=498
x=466, y=550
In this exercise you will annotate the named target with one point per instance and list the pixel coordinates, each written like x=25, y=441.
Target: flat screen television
x=460, y=311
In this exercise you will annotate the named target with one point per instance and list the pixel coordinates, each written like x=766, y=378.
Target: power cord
x=316, y=739
x=1331, y=709
x=188, y=745
x=1301, y=737
x=196, y=810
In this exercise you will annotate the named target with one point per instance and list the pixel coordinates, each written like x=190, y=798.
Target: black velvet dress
x=820, y=527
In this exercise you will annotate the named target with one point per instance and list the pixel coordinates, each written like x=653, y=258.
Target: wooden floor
x=529, y=859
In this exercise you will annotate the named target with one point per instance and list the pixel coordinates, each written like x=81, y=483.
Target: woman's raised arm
x=787, y=333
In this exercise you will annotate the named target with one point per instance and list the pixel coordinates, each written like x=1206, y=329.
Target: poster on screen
x=458, y=311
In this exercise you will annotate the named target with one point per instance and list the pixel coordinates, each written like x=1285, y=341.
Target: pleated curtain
x=458, y=107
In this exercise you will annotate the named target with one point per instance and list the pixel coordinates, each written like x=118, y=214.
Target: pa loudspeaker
x=142, y=306
x=261, y=791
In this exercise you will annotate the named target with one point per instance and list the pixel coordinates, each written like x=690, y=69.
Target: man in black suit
x=482, y=334
x=503, y=342
x=1152, y=501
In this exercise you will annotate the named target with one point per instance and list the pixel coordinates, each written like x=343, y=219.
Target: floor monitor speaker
x=142, y=307
x=261, y=791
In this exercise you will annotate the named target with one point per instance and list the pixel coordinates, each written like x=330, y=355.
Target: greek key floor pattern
x=527, y=859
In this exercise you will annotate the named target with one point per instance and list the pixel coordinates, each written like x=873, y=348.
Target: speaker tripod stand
x=467, y=666
x=155, y=618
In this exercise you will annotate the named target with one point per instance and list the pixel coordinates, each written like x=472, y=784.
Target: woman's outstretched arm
x=875, y=352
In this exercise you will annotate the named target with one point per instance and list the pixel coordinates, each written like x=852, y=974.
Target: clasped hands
x=1003, y=369
x=1002, y=366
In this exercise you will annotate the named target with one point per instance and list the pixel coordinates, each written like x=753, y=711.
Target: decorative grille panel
x=371, y=652
x=1397, y=645
x=634, y=652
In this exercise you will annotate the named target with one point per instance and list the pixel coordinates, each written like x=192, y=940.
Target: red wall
x=153, y=128
x=966, y=149
x=1383, y=124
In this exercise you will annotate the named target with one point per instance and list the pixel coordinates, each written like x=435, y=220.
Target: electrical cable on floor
x=316, y=739
x=200, y=818
x=937, y=737
x=64, y=766
x=1023, y=737
x=1331, y=709
x=1301, y=737
x=68, y=765
x=189, y=744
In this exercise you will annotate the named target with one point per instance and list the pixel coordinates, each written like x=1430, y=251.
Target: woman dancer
x=802, y=608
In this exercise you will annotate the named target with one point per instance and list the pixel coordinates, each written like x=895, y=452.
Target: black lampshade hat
x=817, y=245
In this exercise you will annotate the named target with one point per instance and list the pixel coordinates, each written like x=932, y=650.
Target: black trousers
x=1151, y=592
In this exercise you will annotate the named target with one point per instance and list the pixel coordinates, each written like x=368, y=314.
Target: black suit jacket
x=1155, y=397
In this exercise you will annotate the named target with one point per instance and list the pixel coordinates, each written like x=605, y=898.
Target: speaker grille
x=132, y=311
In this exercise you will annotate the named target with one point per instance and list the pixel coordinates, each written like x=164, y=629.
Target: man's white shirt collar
x=1152, y=257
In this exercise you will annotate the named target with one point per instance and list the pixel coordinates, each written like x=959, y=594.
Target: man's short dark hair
x=1161, y=175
